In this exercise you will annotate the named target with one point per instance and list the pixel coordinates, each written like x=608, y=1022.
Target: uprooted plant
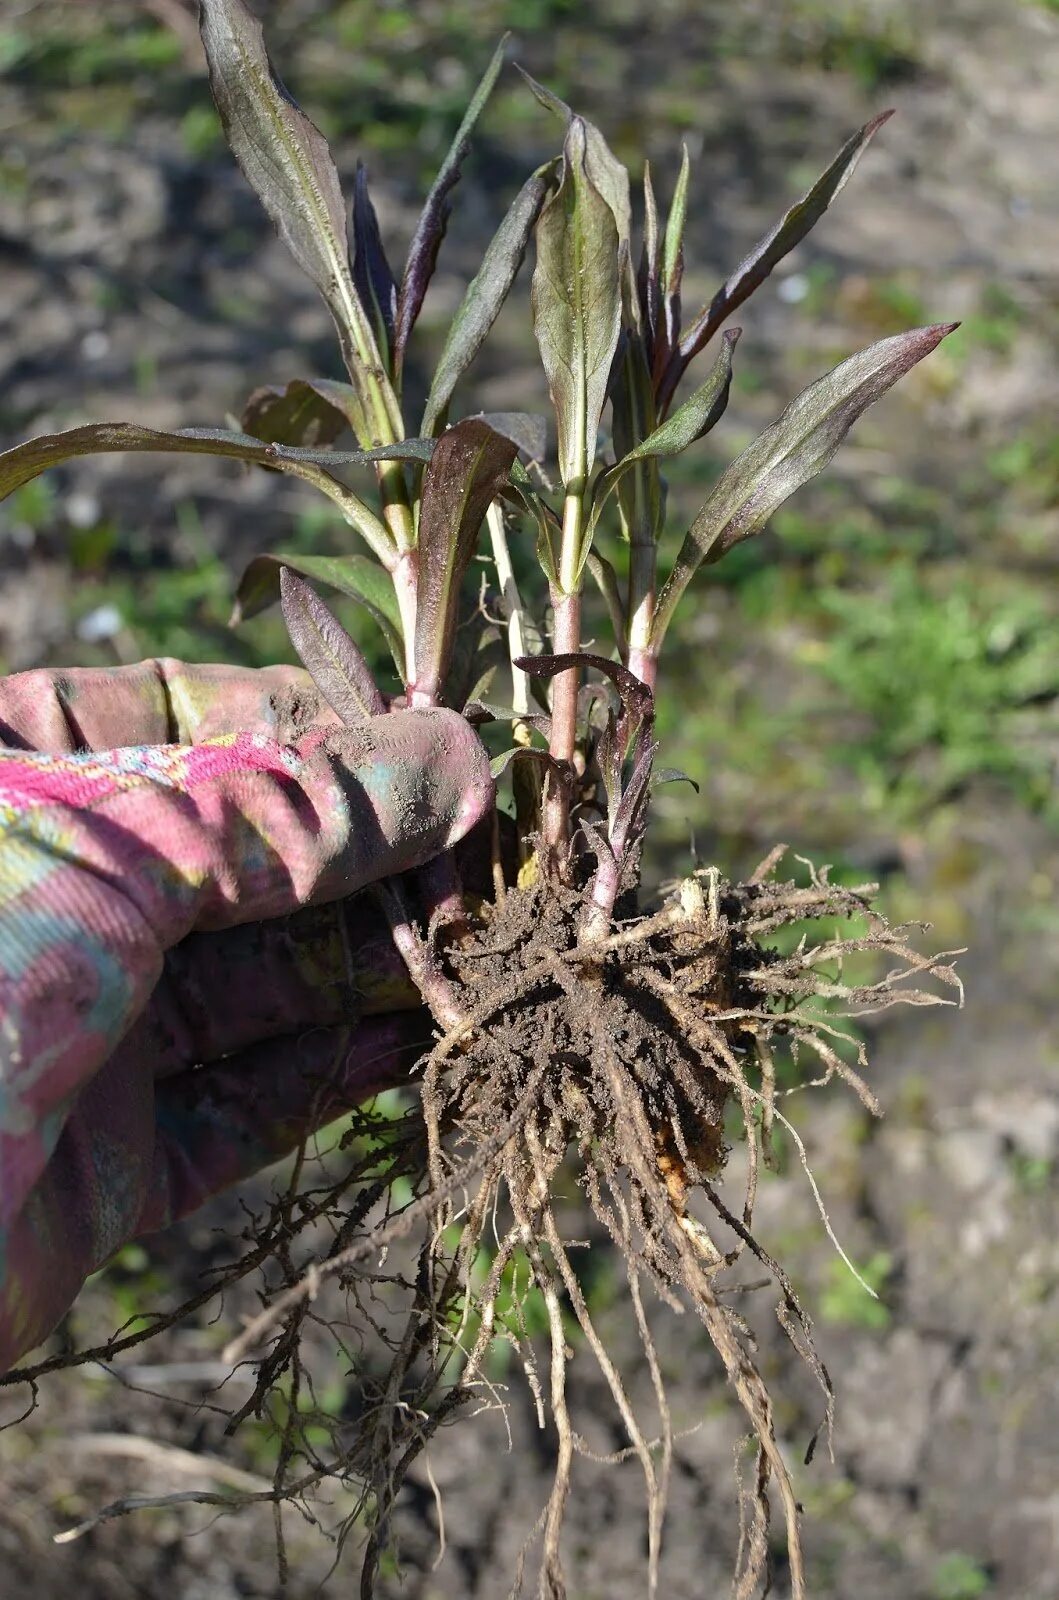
x=576, y=1028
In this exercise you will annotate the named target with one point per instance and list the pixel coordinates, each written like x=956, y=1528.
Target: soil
x=125, y=278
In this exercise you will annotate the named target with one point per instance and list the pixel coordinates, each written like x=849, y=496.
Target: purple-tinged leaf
x=577, y=306
x=329, y=655
x=357, y=576
x=304, y=413
x=768, y=252
x=789, y=453
x=469, y=467
x=486, y=293
x=286, y=160
x=434, y=217
x=636, y=698
x=649, y=276
x=372, y=276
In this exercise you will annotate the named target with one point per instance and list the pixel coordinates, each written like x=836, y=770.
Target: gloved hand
x=171, y=1020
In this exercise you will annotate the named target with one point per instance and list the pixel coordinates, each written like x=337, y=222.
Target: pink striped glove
x=171, y=1018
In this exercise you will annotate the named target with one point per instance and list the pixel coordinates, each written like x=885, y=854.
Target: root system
x=626, y=1067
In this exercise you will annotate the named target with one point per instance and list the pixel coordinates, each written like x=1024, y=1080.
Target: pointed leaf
x=486, y=293
x=577, y=307
x=469, y=467
x=301, y=414
x=372, y=276
x=433, y=219
x=791, y=452
x=667, y=328
x=286, y=160
x=335, y=664
x=649, y=277
x=769, y=251
x=699, y=413
x=357, y=576
x=606, y=172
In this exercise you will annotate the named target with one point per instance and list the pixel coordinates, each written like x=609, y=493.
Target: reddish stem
x=566, y=638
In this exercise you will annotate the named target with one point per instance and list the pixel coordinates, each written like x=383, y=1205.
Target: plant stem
x=566, y=639
x=511, y=601
x=405, y=577
x=643, y=660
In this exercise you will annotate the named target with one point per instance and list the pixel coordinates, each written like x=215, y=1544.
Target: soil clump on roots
x=618, y=1065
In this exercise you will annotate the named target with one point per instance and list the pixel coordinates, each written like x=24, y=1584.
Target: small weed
x=959, y=1577
x=847, y=1304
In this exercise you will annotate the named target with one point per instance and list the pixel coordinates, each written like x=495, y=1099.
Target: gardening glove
x=171, y=1018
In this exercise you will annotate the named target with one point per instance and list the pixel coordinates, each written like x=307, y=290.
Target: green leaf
x=469, y=467
x=699, y=413
x=286, y=160
x=789, y=453
x=486, y=294
x=433, y=219
x=667, y=326
x=605, y=171
x=769, y=251
x=577, y=306
x=357, y=576
x=330, y=656
x=29, y=460
x=673, y=249
x=309, y=411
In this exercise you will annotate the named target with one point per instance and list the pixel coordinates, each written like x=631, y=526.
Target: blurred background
x=874, y=681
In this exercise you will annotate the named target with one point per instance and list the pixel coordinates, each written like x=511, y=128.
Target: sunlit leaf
x=791, y=452
x=469, y=467
x=577, y=306
x=667, y=326
x=335, y=664
x=286, y=160
x=433, y=219
x=486, y=293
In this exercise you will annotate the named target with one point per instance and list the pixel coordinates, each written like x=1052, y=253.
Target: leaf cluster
x=613, y=337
